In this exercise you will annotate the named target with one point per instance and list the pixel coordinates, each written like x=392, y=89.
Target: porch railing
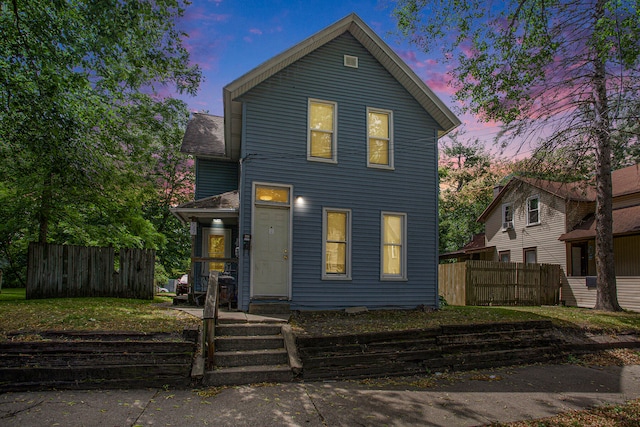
x=209, y=316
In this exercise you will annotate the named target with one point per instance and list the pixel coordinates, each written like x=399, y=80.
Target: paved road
x=469, y=399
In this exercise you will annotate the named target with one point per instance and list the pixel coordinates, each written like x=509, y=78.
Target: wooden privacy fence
x=499, y=283
x=61, y=271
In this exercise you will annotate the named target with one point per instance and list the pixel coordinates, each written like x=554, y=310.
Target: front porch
x=213, y=226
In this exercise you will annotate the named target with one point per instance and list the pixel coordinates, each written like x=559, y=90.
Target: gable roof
x=370, y=40
x=204, y=136
x=624, y=181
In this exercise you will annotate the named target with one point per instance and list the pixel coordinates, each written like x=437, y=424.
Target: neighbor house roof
x=223, y=205
x=477, y=244
x=625, y=221
x=370, y=40
x=624, y=181
x=204, y=136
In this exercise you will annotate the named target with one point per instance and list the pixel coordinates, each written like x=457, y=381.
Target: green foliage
x=468, y=174
x=77, y=134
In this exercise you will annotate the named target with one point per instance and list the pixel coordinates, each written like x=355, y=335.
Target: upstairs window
x=533, y=210
x=321, y=140
x=507, y=216
x=379, y=141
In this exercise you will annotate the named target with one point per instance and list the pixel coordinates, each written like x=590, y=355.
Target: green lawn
x=113, y=314
x=326, y=323
x=88, y=314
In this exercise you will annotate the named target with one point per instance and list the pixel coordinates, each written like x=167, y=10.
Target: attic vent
x=351, y=61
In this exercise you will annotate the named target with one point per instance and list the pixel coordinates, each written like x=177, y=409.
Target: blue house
x=319, y=186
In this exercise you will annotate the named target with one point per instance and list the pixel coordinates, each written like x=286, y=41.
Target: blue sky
x=228, y=38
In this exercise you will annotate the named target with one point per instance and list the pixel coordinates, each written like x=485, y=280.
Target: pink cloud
x=407, y=56
x=201, y=15
x=247, y=39
x=255, y=31
x=440, y=82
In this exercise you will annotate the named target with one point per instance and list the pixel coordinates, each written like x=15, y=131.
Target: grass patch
x=89, y=314
x=339, y=323
x=12, y=294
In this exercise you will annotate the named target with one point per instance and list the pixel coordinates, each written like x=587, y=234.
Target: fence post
x=469, y=296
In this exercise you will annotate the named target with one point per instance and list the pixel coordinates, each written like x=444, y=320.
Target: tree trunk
x=607, y=293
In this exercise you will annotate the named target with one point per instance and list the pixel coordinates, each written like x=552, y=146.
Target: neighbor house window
x=504, y=256
x=530, y=256
x=379, y=141
x=321, y=144
x=394, y=247
x=533, y=210
x=507, y=216
x=336, y=228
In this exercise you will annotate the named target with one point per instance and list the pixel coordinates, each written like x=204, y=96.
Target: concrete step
x=240, y=343
x=269, y=308
x=247, y=375
x=251, y=358
x=248, y=329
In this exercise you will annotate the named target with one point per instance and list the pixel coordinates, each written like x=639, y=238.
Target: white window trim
x=390, y=166
x=403, y=266
x=335, y=276
x=270, y=185
x=504, y=217
x=334, y=140
x=527, y=209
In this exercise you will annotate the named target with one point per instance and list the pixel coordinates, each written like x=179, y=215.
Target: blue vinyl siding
x=274, y=150
x=215, y=177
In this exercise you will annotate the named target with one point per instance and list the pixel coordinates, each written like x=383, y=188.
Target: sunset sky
x=228, y=38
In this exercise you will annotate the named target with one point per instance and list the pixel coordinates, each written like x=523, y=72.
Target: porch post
x=193, y=230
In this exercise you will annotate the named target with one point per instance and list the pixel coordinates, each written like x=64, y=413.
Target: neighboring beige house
x=539, y=221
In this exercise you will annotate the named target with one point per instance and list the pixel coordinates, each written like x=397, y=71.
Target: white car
x=182, y=287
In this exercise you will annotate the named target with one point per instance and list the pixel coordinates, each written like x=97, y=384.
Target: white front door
x=270, y=251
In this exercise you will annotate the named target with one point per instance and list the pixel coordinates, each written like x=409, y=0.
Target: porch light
x=299, y=200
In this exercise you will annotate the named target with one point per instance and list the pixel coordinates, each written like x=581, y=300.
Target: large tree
x=72, y=76
x=565, y=72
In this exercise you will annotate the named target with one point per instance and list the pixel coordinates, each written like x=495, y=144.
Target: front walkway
x=473, y=399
